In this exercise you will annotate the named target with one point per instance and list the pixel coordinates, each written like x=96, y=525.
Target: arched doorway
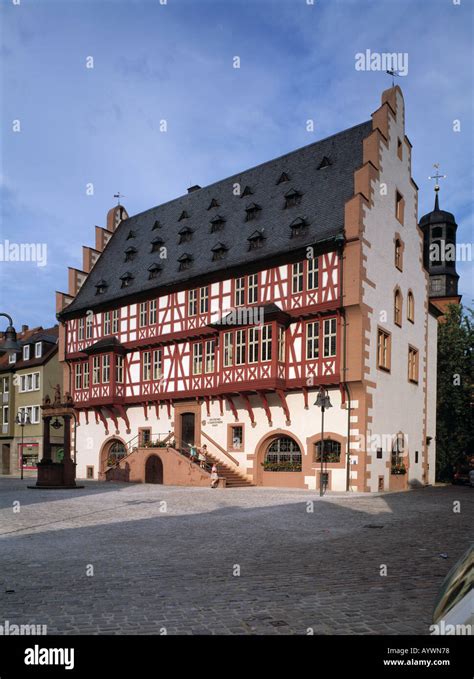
x=154, y=469
x=112, y=452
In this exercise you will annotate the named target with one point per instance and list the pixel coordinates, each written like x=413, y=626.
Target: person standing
x=202, y=456
x=193, y=454
x=214, y=476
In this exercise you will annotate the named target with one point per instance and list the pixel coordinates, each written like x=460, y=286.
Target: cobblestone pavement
x=167, y=558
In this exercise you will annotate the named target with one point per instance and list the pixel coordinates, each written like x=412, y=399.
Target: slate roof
x=50, y=338
x=324, y=193
x=437, y=216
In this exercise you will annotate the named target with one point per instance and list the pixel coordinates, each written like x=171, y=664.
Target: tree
x=455, y=431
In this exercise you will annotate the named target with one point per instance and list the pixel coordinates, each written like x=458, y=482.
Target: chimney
x=24, y=328
x=196, y=187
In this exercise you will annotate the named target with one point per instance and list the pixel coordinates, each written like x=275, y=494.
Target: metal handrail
x=128, y=444
x=185, y=451
x=222, y=450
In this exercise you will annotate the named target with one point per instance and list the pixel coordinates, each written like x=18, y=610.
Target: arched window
x=116, y=451
x=397, y=307
x=398, y=449
x=398, y=254
x=283, y=455
x=411, y=307
x=332, y=451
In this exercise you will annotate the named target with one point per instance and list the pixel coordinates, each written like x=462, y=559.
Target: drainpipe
x=340, y=241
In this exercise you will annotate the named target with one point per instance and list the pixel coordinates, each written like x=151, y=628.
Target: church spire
x=439, y=251
x=437, y=177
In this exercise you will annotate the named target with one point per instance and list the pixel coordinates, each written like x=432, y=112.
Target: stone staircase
x=233, y=478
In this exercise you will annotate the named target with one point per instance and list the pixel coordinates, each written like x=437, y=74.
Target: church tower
x=439, y=255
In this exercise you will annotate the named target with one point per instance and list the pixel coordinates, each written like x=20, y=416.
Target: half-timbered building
x=216, y=317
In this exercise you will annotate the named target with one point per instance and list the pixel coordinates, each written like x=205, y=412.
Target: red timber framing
x=282, y=397
x=249, y=407
x=305, y=395
x=295, y=349
x=99, y=414
x=266, y=407
x=112, y=417
x=232, y=407
x=124, y=416
x=221, y=404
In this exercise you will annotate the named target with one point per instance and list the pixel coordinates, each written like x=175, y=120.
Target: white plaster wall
x=397, y=403
x=90, y=437
x=304, y=424
x=431, y=394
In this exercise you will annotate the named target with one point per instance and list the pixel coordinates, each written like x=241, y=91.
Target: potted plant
x=398, y=469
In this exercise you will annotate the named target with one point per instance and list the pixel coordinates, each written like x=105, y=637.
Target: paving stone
x=175, y=570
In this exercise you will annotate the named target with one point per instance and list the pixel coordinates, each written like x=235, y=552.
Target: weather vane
x=119, y=195
x=393, y=74
x=437, y=176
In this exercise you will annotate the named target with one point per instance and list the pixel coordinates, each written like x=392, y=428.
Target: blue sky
x=174, y=62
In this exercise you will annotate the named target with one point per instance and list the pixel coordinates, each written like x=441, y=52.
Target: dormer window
x=219, y=251
x=246, y=192
x=156, y=244
x=325, y=162
x=156, y=225
x=256, y=240
x=297, y=227
x=131, y=234
x=26, y=352
x=183, y=215
x=212, y=204
x=292, y=198
x=126, y=279
x=252, y=211
x=130, y=254
x=185, y=235
x=154, y=271
x=185, y=261
x=283, y=178
x=12, y=357
x=38, y=349
x=217, y=224
x=100, y=287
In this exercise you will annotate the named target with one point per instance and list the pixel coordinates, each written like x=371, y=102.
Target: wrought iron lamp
x=324, y=402
x=10, y=343
x=22, y=419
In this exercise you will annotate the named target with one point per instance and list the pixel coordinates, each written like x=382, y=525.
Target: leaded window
x=332, y=451
x=283, y=454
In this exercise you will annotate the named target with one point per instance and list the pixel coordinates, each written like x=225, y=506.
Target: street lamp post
x=22, y=419
x=322, y=401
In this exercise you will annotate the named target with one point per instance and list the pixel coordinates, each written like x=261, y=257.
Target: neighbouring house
x=25, y=378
